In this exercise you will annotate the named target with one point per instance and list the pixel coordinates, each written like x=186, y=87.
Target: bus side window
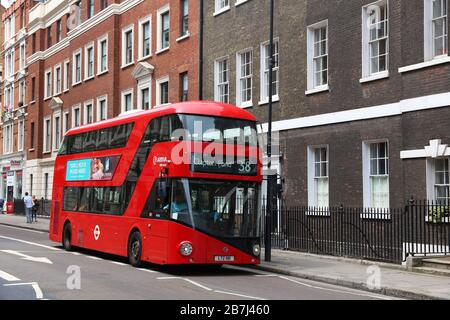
x=103, y=139
x=70, y=201
x=176, y=131
x=157, y=205
x=90, y=141
x=154, y=130
x=119, y=135
x=164, y=133
x=77, y=144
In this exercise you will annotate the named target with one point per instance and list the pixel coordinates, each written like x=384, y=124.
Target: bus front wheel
x=67, y=237
x=135, y=249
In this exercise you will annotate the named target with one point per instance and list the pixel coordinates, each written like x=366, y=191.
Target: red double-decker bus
x=173, y=185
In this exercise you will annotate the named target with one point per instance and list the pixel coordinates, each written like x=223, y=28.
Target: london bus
x=134, y=186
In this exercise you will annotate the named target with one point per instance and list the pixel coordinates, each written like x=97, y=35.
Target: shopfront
x=11, y=182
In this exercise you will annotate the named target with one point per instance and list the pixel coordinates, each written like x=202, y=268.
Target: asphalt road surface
x=32, y=267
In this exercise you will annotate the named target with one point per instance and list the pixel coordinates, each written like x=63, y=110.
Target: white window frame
x=99, y=100
x=74, y=67
x=217, y=83
x=48, y=92
x=218, y=8
x=66, y=79
x=367, y=74
x=55, y=139
x=65, y=124
x=239, y=78
x=99, y=54
x=76, y=107
x=22, y=90
x=22, y=56
x=367, y=186
x=20, y=135
x=160, y=12
x=123, y=94
x=431, y=176
x=86, y=61
x=57, y=90
x=144, y=84
x=147, y=19
x=124, y=41
x=264, y=98
x=311, y=83
x=85, y=117
x=158, y=91
x=312, y=180
x=429, y=33
x=47, y=145
x=8, y=138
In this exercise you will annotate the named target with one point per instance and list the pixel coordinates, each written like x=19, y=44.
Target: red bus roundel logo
x=96, y=232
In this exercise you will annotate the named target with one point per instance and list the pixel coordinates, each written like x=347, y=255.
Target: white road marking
x=94, y=258
x=239, y=295
x=27, y=257
x=197, y=284
x=119, y=263
x=167, y=278
x=34, y=285
x=266, y=275
x=31, y=243
x=8, y=277
x=23, y=229
x=335, y=290
x=147, y=270
x=75, y=253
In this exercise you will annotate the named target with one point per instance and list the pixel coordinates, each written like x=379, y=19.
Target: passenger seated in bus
x=178, y=205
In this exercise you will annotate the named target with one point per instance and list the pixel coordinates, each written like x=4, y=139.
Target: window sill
x=56, y=94
x=31, y=150
x=162, y=50
x=246, y=105
x=374, y=77
x=127, y=65
x=317, y=90
x=162, y=105
x=426, y=64
x=274, y=99
x=66, y=90
x=87, y=79
x=144, y=58
x=32, y=102
x=239, y=2
x=102, y=72
x=46, y=152
x=47, y=98
x=187, y=35
x=224, y=9
x=76, y=84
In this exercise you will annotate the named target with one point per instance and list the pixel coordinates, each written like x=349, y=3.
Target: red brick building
x=91, y=60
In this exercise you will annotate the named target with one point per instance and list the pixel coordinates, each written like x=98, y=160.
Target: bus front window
x=220, y=208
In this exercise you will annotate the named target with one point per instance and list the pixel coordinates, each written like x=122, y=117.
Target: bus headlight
x=186, y=249
x=256, y=250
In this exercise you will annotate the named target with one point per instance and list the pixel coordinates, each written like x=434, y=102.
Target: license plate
x=224, y=258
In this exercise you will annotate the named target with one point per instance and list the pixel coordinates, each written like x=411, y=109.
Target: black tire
x=135, y=249
x=67, y=237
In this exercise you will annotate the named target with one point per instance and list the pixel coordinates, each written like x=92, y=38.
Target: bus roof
x=206, y=108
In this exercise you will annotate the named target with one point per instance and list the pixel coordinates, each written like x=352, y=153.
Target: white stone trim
x=435, y=150
x=426, y=64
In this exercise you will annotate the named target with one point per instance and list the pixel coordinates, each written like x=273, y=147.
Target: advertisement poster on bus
x=101, y=168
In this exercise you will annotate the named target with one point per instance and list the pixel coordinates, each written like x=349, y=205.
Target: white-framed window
x=184, y=86
x=56, y=137
x=89, y=61
x=66, y=75
x=9, y=97
x=102, y=54
x=57, y=79
x=76, y=116
x=22, y=57
x=102, y=108
x=21, y=135
x=47, y=134
x=145, y=42
x=438, y=179
x=162, y=91
x=376, y=174
x=375, y=40
x=265, y=70
x=65, y=122
x=48, y=84
x=244, y=80
x=8, y=138
x=163, y=25
x=318, y=177
x=22, y=90
x=222, y=80
x=144, y=94
x=128, y=46
x=184, y=18
x=436, y=29
x=76, y=68
x=317, y=51
x=88, y=112
x=221, y=5
x=127, y=100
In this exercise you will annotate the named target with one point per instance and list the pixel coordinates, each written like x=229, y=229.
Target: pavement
x=319, y=275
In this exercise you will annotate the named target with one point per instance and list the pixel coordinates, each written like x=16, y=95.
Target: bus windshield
x=227, y=209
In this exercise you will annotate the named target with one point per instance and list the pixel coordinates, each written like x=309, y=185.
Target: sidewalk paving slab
x=395, y=280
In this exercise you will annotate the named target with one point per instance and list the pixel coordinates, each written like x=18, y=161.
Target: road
x=32, y=267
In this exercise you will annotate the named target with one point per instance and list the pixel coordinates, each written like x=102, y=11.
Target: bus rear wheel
x=67, y=237
x=135, y=249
